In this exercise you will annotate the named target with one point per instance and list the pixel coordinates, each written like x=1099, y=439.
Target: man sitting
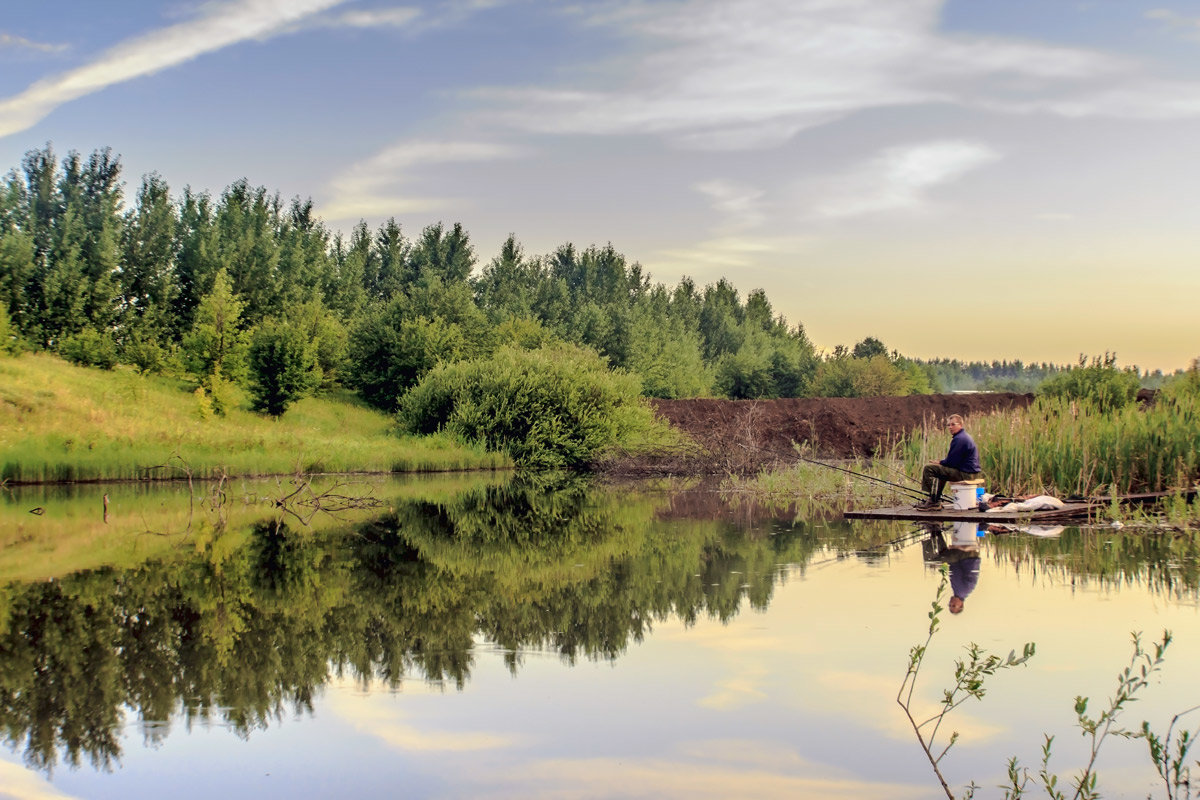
x=960, y=464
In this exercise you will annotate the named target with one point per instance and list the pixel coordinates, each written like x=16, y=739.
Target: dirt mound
x=740, y=435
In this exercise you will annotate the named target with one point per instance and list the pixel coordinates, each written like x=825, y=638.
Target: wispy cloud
x=8, y=40
x=375, y=18
x=222, y=25
x=371, y=188
x=1185, y=26
x=900, y=177
x=413, y=19
x=740, y=204
x=752, y=74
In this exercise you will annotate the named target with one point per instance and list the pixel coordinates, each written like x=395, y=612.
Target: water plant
x=1169, y=753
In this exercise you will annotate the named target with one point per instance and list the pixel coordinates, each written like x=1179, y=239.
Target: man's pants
x=935, y=476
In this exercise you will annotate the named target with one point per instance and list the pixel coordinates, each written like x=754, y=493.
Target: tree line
x=247, y=288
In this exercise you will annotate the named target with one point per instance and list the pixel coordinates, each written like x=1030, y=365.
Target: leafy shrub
x=146, y=354
x=1100, y=383
x=394, y=346
x=872, y=376
x=10, y=344
x=89, y=348
x=1185, y=384
x=283, y=367
x=766, y=365
x=556, y=407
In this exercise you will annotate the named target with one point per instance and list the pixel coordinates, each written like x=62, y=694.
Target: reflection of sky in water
x=797, y=700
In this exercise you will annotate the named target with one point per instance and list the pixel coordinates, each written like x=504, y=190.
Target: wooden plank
x=1068, y=511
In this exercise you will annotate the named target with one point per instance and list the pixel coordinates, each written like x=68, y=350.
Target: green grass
x=59, y=422
x=811, y=489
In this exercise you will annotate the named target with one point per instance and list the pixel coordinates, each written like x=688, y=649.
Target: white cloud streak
x=371, y=187
x=741, y=204
x=223, y=25
x=8, y=40
x=376, y=18
x=899, y=177
x=1187, y=27
x=752, y=74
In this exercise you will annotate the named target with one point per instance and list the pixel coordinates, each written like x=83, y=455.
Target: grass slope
x=59, y=422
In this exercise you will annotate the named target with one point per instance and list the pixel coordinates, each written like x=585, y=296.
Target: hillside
x=60, y=422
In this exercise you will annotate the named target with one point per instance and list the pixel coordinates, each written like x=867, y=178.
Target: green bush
x=1100, y=383
x=872, y=376
x=283, y=367
x=1184, y=384
x=557, y=407
x=89, y=348
x=10, y=344
x=145, y=353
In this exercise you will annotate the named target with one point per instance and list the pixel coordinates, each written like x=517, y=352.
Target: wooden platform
x=1069, y=511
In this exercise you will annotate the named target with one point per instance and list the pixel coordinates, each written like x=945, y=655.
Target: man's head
x=955, y=605
x=954, y=422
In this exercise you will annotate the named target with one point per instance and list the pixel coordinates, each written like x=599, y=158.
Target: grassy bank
x=59, y=422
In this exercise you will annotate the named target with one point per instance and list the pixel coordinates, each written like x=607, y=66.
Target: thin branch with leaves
x=969, y=677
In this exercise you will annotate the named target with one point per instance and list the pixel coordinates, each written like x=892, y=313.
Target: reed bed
x=1064, y=447
x=59, y=422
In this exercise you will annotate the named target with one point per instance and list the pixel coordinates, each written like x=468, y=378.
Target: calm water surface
x=488, y=637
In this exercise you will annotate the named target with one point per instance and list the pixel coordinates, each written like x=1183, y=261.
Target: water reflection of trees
x=245, y=628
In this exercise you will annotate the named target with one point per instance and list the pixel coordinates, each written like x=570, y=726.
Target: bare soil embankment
x=746, y=435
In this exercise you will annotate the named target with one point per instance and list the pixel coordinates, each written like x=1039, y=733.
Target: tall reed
x=1065, y=447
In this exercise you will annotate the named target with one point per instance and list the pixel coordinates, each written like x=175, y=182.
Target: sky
x=972, y=179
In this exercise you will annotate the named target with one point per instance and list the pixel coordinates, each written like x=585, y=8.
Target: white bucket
x=967, y=494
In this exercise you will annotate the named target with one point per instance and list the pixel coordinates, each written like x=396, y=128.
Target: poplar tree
x=16, y=257
x=197, y=258
x=216, y=344
x=247, y=222
x=148, y=287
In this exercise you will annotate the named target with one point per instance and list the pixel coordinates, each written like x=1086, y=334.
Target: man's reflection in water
x=962, y=554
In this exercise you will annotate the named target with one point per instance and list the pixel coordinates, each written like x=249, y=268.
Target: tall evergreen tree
x=101, y=215
x=17, y=266
x=248, y=221
x=148, y=288
x=445, y=255
x=197, y=259
x=392, y=257
x=304, y=255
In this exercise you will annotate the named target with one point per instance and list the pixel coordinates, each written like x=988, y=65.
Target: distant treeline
x=246, y=287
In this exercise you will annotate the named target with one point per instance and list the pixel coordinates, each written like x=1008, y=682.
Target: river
x=489, y=636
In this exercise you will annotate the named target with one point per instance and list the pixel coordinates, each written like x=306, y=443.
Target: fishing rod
x=904, y=475
x=904, y=489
